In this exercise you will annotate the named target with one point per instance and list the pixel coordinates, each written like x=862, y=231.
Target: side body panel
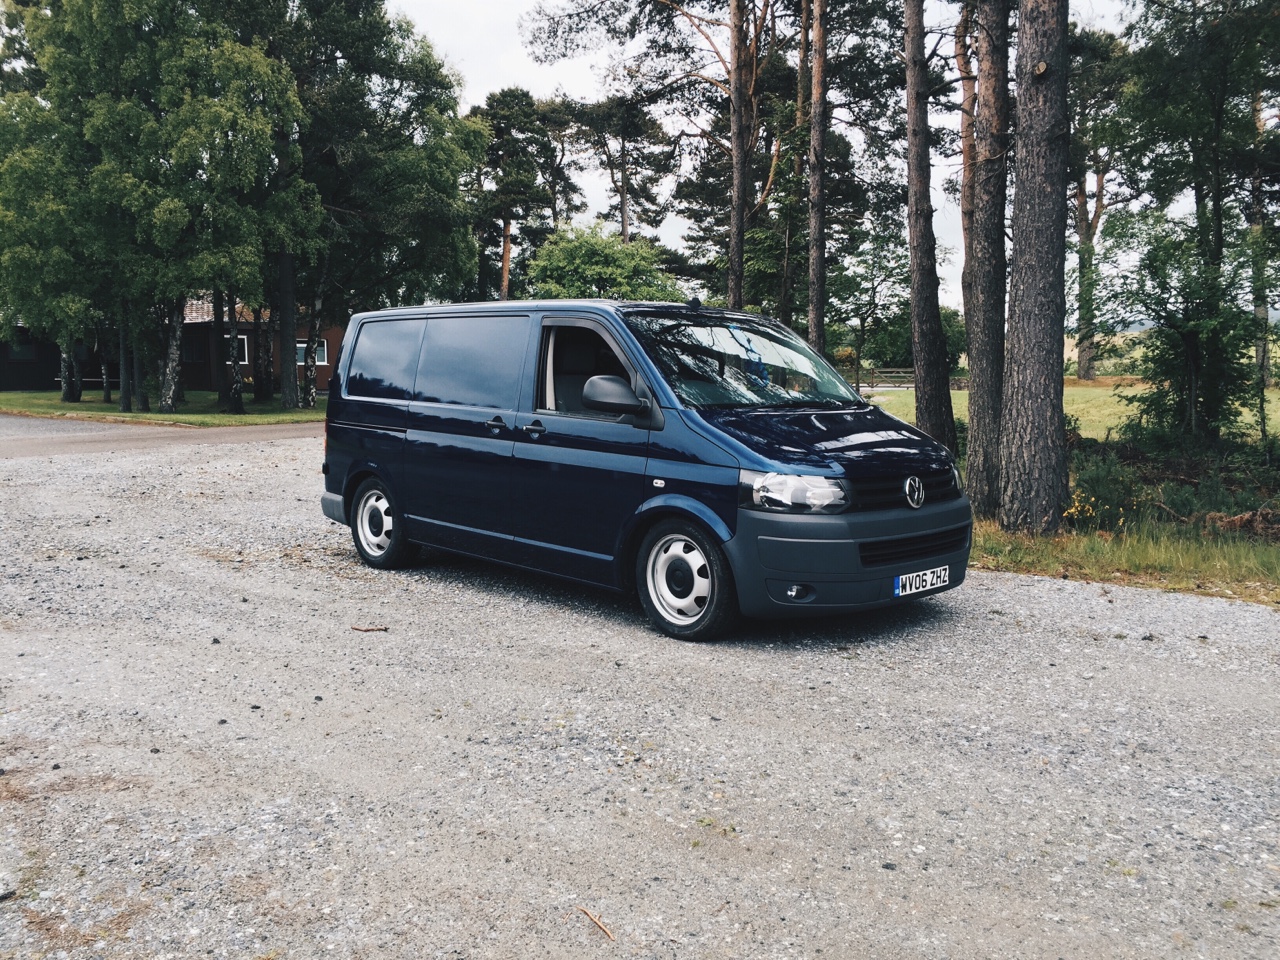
x=364, y=435
x=458, y=490
x=578, y=477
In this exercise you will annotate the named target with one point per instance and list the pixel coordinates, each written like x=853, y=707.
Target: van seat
x=574, y=365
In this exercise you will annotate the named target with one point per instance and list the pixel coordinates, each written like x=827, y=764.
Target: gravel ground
x=222, y=736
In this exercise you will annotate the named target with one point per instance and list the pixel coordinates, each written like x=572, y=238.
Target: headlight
x=787, y=493
x=959, y=479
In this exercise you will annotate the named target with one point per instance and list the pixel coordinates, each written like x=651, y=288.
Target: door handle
x=495, y=424
x=535, y=429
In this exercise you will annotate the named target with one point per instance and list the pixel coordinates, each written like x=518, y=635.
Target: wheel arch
x=653, y=512
x=358, y=474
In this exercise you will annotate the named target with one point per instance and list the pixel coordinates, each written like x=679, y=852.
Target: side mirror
x=610, y=394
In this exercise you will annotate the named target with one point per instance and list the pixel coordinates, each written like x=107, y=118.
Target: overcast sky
x=480, y=41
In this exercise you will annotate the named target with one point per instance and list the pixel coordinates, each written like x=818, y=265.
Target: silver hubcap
x=374, y=522
x=679, y=579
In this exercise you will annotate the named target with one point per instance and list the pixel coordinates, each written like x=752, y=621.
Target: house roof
x=200, y=310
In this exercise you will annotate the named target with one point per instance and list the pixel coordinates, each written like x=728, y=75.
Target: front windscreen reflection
x=713, y=360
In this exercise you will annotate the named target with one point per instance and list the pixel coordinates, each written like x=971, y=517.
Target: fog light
x=798, y=591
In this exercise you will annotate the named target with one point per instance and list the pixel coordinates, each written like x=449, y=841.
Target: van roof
x=486, y=306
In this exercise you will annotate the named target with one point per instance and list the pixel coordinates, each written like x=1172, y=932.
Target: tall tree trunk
x=235, y=386
x=928, y=343
x=791, y=229
x=624, y=192
x=141, y=399
x=126, y=388
x=262, y=390
x=985, y=256
x=504, y=290
x=67, y=374
x=738, y=139
x=1086, y=282
x=1088, y=220
x=313, y=338
x=288, y=333
x=309, y=359
x=219, y=368
x=106, y=372
x=968, y=106
x=1261, y=314
x=172, y=358
x=818, y=182
x=1032, y=437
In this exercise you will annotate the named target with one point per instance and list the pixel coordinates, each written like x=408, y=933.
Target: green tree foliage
x=636, y=153
x=1189, y=139
x=887, y=342
x=559, y=117
x=304, y=153
x=511, y=194
x=42, y=283
x=576, y=263
x=1099, y=69
x=1195, y=352
x=385, y=150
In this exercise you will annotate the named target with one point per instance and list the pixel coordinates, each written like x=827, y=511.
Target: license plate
x=922, y=580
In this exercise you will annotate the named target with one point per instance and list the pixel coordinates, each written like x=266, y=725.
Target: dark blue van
x=707, y=459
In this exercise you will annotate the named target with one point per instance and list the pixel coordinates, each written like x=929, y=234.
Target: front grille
x=882, y=494
x=881, y=553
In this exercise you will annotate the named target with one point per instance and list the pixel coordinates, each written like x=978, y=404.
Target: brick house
x=30, y=363
x=200, y=353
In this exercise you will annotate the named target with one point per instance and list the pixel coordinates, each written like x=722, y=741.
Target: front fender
x=674, y=503
x=654, y=509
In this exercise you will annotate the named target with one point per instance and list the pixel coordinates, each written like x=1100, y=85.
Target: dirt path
x=47, y=437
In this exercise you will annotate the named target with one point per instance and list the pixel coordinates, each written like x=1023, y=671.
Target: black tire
x=684, y=582
x=379, y=536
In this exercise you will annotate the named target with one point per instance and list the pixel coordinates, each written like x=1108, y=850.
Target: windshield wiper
x=822, y=403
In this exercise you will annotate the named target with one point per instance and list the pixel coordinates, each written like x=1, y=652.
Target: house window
x=242, y=351
x=322, y=353
x=193, y=349
x=22, y=352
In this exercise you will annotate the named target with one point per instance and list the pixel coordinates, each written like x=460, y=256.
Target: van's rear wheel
x=684, y=582
x=376, y=527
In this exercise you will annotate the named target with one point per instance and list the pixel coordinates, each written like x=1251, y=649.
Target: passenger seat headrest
x=575, y=359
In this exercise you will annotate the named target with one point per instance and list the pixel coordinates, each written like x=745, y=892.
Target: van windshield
x=715, y=360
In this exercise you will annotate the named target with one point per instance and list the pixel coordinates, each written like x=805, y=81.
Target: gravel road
x=222, y=736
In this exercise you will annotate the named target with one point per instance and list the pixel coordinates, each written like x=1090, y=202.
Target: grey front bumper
x=828, y=557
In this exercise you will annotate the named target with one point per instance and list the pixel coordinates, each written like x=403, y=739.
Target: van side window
x=573, y=355
x=383, y=363
x=473, y=361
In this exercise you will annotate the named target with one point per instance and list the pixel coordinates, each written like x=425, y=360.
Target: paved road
x=50, y=437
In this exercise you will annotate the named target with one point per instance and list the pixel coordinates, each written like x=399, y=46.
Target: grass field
x=1162, y=556
x=1096, y=404
x=199, y=410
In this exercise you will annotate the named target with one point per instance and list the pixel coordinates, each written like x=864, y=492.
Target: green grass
x=1098, y=408
x=1160, y=555
x=199, y=410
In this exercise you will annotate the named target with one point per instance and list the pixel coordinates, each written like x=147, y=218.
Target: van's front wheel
x=684, y=582
x=376, y=527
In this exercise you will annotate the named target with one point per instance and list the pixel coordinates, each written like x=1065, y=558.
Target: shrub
x=1106, y=495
